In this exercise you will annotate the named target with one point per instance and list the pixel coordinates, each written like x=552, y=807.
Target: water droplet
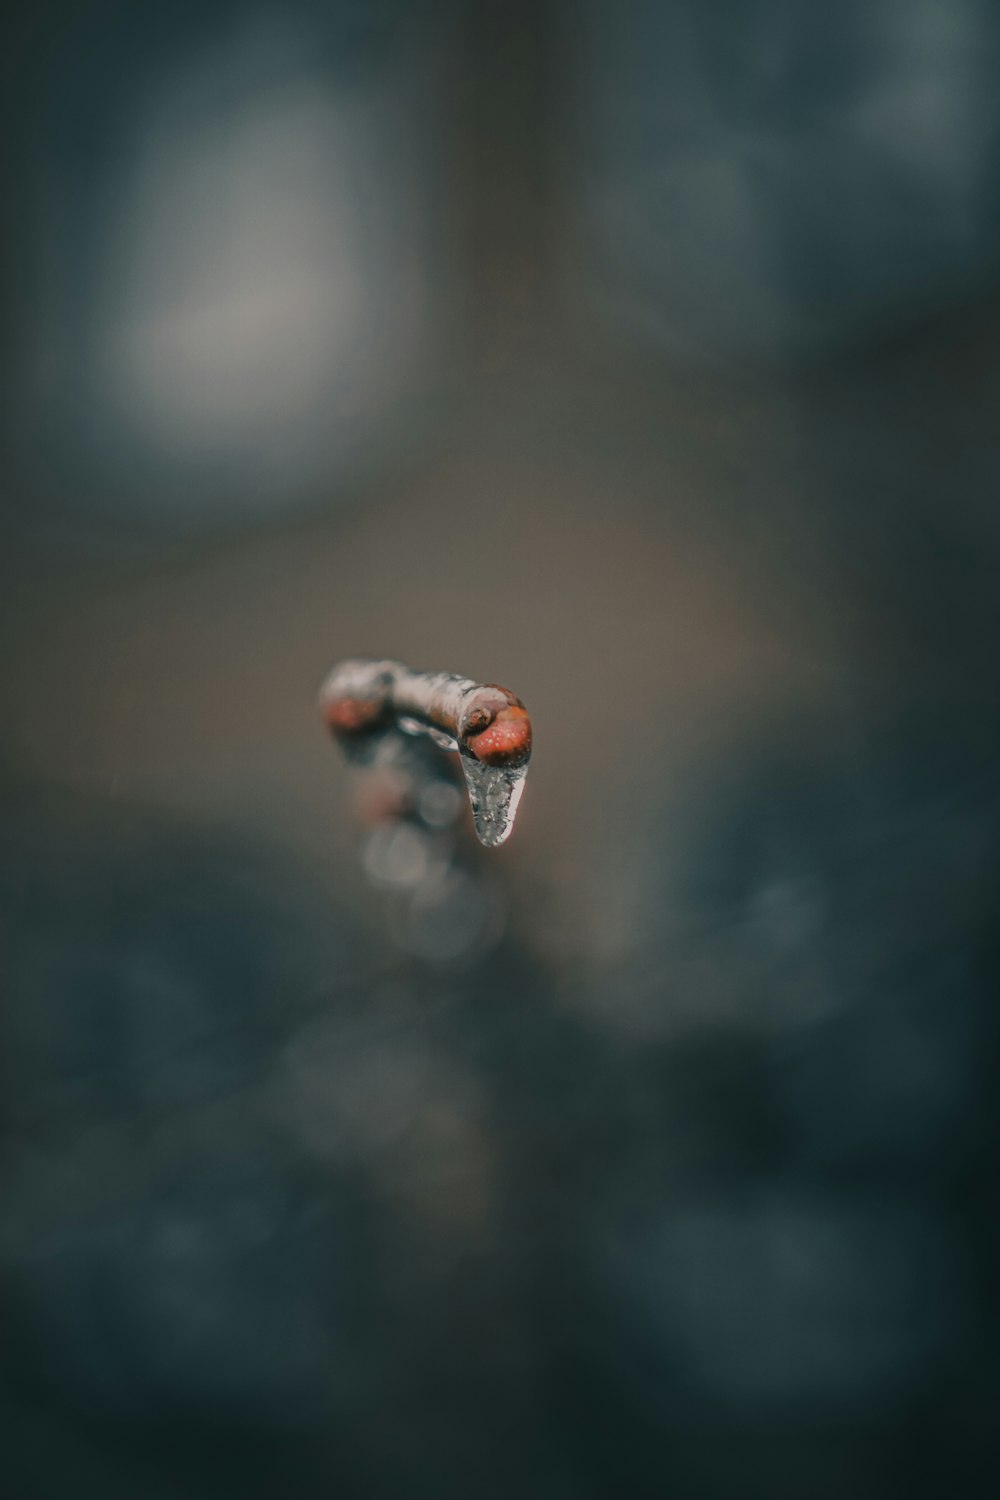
x=494, y=792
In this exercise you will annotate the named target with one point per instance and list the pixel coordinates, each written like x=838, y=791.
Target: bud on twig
x=487, y=725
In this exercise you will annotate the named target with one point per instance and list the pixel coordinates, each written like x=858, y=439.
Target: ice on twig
x=487, y=725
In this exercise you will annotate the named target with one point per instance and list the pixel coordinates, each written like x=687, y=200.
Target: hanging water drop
x=494, y=792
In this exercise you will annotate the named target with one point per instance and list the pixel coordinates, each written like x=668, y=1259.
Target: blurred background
x=644, y=357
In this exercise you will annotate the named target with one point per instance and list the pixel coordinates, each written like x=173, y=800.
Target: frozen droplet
x=494, y=792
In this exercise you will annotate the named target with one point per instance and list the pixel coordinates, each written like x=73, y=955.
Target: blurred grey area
x=643, y=357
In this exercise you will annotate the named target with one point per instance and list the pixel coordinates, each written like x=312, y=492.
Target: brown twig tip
x=497, y=729
x=486, y=723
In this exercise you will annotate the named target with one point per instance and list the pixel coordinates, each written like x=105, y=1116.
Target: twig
x=488, y=725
